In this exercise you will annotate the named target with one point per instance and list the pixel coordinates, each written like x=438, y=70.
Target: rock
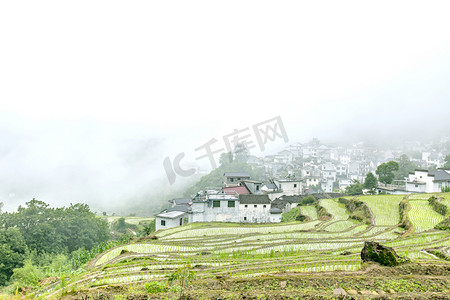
x=391, y=291
x=339, y=291
x=365, y=292
x=381, y=292
x=283, y=284
x=374, y=293
x=374, y=252
x=352, y=292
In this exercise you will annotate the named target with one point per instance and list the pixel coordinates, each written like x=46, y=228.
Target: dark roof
x=271, y=186
x=183, y=208
x=440, y=175
x=275, y=210
x=279, y=203
x=236, y=174
x=254, y=199
x=292, y=199
x=178, y=201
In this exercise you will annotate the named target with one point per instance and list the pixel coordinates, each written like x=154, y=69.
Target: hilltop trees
x=385, y=171
x=56, y=230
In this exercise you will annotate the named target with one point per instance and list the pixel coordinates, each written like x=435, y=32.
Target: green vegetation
x=371, y=182
x=422, y=215
x=437, y=205
x=231, y=260
x=36, y=231
x=354, y=189
x=385, y=171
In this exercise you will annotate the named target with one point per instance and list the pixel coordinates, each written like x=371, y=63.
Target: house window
x=255, y=206
x=245, y=205
x=163, y=222
x=257, y=187
x=264, y=206
x=231, y=204
x=295, y=185
x=416, y=185
x=231, y=179
x=216, y=203
x=245, y=218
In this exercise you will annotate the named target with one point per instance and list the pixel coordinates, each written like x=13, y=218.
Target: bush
x=308, y=200
x=437, y=206
x=443, y=225
x=28, y=275
x=404, y=219
x=153, y=287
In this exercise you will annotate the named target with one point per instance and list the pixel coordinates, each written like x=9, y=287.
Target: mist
x=94, y=96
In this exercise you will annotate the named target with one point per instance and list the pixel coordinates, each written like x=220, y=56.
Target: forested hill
x=215, y=178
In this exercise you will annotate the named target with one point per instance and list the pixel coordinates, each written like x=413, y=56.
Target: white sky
x=86, y=83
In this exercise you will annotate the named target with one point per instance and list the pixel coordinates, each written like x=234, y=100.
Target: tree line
x=37, y=232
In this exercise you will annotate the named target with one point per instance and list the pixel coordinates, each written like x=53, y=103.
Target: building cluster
x=299, y=170
x=239, y=200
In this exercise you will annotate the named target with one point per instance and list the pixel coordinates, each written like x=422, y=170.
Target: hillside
x=309, y=260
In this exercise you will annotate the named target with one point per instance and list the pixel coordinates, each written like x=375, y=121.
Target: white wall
x=258, y=214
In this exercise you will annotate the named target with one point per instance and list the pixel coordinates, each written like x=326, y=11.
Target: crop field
x=423, y=216
x=385, y=209
x=310, y=211
x=216, y=250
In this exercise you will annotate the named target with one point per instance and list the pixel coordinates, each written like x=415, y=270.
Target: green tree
x=405, y=166
x=226, y=158
x=354, y=189
x=150, y=227
x=241, y=153
x=447, y=162
x=371, y=182
x=385, y=171
x=13, y=252
x=120, y=225
x=56, y=230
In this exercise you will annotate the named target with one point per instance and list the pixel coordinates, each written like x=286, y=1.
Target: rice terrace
x=316, y=259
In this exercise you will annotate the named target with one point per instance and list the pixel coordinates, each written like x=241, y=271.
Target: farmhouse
x=423, y=181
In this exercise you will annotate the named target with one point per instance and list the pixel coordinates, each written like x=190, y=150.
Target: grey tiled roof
x=254, y=199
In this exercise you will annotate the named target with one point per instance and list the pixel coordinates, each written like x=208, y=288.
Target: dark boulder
x=374, y=252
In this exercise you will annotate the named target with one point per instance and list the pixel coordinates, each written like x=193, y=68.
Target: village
x=300, y=170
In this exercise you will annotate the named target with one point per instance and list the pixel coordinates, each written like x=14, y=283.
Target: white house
x=254, y=209
x=423, y=181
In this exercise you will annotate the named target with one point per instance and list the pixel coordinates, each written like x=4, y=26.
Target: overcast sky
x=95, y=94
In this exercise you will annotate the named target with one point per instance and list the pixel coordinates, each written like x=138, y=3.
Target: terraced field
x=423, y=216
x=226, y=250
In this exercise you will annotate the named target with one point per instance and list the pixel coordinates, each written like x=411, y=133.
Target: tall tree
x=354, y=189
x=371, y=182
x=405, y=166
x=385, y=171
x=241, y=153
x=447, y=162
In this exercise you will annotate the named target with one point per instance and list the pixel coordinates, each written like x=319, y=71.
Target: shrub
x=437, y=206
x=404, y=219
x=307, y=200
x=443, y=225
x=153, y=287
